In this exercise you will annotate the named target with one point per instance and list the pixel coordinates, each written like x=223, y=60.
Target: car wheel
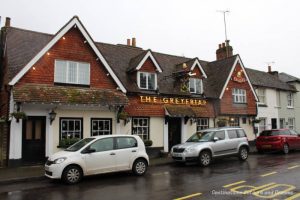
x=205, y=158
x=243, y=153
x=72, y=174
x=286, y=148
x=139, y=167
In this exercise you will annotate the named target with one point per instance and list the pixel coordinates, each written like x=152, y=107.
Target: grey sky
x=259, y=30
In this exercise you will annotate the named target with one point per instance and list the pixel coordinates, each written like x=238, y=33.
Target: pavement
x=29, y=173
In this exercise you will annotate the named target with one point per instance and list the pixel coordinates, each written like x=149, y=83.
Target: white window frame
x=282, y=122
x=278, y=100
x=70, y=133
x=139, y=130
x=239, y=95
x=66, y=81
x=147, y=80
x=198, y=88
x=102, y=131
x=291, y=123
x=202, y=123
x=290, y=100
x=261, y=94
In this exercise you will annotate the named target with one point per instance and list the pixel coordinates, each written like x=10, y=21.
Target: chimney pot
x=223, y=44
x=227, y=43
x=220, y=46
x=128, y=42
x=134, y=42
x=269, y=69
x=7, y=21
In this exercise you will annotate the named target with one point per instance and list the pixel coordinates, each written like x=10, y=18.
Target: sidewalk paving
x=28, y=173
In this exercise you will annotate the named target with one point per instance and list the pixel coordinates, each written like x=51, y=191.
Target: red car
x=278, y=139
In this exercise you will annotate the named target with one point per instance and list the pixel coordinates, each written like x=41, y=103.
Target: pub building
x=62, y=87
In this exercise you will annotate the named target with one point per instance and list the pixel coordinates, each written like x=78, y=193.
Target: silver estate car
x=207, y=144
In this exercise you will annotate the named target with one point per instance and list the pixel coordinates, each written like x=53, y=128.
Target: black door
x=274, y=123
x=33, y=146
x=174, y=125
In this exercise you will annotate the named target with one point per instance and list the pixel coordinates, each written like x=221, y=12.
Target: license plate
x=177, y=154
x=46, y=168
x=267, y=146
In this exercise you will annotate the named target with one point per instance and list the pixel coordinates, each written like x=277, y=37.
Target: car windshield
x=201, y=137
x=78, y=145
x=274, y=132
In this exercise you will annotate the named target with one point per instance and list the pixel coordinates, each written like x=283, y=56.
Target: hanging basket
x=18, y=115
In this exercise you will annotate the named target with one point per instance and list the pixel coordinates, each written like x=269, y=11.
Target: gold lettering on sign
x=176, y=101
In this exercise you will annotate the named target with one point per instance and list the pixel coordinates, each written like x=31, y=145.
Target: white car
x=96, y=155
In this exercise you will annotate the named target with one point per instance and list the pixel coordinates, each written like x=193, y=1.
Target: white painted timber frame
x=197, y=63
x=238, y=59
x=73, y=22
x=149, y=55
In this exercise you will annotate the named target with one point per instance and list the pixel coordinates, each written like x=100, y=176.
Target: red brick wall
x=197, y=72
x=148, y=66
x=72, y=48
x=226, y=103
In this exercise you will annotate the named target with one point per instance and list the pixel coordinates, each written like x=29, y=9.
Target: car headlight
x=189, y=150
x=59, y=160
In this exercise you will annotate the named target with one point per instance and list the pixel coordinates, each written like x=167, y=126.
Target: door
x=220, y=147
x=103, y=159
x=274, y=123
x=33, y=140
x=126, y=152
x=233, y=141
x=174, y=126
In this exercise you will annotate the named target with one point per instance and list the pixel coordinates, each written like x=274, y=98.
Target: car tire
x=139, y=167
x=205, y=158
x=72, y=174
x=243, y=153
x=286, y=148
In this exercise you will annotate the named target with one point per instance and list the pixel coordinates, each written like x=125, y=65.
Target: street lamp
x=52, y=116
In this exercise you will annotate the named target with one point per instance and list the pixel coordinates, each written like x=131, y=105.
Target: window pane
x=143, y=80
x=71, y=128
x=220, y=135
x=84, y=73
x=126, y=142
x=28, y=130
x=232, y=134
x=72, y=72
x=105, y=144
x=101, y=127
x=151, y=81
x=192, y=85
x=60, y=71
x=38, y=129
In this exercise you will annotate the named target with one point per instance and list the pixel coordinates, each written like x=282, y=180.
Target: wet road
x=273, y=176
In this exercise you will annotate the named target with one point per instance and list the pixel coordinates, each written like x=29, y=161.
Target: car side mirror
x=215, y=139
x=89, y=150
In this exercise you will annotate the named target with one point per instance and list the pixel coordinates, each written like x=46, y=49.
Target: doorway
x=33, y=140
x=174, y=126
x=274, y=123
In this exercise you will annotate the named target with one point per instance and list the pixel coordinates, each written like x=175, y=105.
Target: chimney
x=128, y=42
x=133, y=42
x=7, y=22
x=274, y=73
x=224, y=51
x=269, y=69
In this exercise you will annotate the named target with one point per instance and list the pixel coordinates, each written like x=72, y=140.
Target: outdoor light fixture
x=52, y=116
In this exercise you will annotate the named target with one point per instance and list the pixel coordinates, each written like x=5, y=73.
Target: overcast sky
x=260, y=31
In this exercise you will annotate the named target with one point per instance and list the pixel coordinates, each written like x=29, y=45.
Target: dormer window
x=147, y=80
x=196, y=85
x=70, y=72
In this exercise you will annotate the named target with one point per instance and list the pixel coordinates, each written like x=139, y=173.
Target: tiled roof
x=40, y=93
x=265, y=79
x=180, y=111
x=288, y=78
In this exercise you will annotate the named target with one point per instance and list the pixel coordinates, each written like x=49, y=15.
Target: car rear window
x=232, y=134
x=241, y=133
x=274, y=132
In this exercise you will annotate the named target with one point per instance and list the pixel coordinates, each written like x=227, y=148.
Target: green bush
x=148, y=143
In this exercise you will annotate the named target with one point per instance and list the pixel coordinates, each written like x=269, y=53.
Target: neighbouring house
x=273, y=110
x=63, y=87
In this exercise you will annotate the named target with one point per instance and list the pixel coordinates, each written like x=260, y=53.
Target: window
x=232, y=134
x=126, y=142
x=147, y=80
x=140, y=127
x=262, y=124
x=105, y=144
x=278, y=102
x=239, y=95
x=291, y=122
x=290, y=100
x=70, y=128
x=72, y=72
x=196, y=85
x=293, y=132
x=202, y=123
x=101, y=127
x=261, y=94
x=234, y=121
x=282, y=123
x=220, y=135
x=241, y=133
x=244, y=120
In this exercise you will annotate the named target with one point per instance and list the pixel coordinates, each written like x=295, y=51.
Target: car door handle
x=112, y=154
x=133, y=151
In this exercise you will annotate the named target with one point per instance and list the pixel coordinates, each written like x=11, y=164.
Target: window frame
x=261, y=93
x=148, y=127
x=239, y=95
x=70, y=119
x=101, y=119
x=235, y=122
x=290, y=100
x=202, y=127
x=147, y=80
x=282, y=120
x=67, y=82
x=116, y=142
x=291, y=126
x=198, y=90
